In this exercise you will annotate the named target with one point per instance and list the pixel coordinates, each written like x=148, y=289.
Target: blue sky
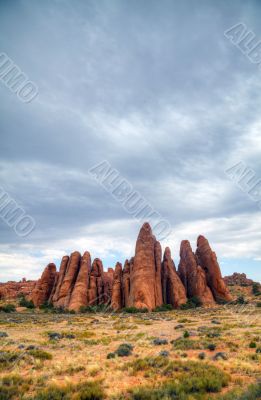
x=156, y=89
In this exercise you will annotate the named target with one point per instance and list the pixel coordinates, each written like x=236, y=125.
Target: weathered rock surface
x=79, y=294
x=63, y=268
x=11, y=290
x=238, y=279
x=174, y=292
x=146, y=281
x=44, y=286
x=68, y=281
x=207, y=259
x=107, y=285
x=116, y=299
x=193, y=276
x=95, y=292
x=126, y=283
x=144, y=274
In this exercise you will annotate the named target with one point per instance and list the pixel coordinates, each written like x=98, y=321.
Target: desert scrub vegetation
x=253, y=392
x=13, y=387
x=40, y=354
x=182, y=379
x=8, y=358
x=7, y=308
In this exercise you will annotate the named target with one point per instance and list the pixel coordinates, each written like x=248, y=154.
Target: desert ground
x=178, y=354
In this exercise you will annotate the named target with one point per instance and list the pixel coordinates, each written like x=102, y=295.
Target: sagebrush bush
x=187, y=378
x=8, y=308
x=82, y=391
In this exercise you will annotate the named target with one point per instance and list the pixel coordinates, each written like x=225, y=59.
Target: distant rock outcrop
x=11, y=290
x=238, y=280
x=146, y=281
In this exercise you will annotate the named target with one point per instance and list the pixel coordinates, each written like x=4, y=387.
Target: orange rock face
x=144, y=290
x=107, y=285
x=116, y=299
x=62, y=272
x=193, y=276
x=95, y=290
x=174, y=292
x=146, y=280
x=11, y=290
x=68, y=281
x=79, y=294
x=207, y=259
x=126, y=283
x=44, y=286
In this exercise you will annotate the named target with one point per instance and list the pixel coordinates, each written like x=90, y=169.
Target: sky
x=156, y=90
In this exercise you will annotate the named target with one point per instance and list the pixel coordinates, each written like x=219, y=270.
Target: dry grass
x=83, y=358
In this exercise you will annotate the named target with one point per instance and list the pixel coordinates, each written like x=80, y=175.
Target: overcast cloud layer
x=155, y=88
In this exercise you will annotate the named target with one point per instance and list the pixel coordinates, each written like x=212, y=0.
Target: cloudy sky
x=154, y=88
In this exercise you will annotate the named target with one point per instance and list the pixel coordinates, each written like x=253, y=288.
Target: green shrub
x=256, y=289
x=82, y=391
x=94, y=309
x=7, y=359
x=124, y=350
x=111, y=355
x=212, y=347
x=40, y=354
x=23, y=302
x=134, y=310
x=186, y=344
x=241, y=300
x=252, y=345
x=13, y=386
x=193, y=302
x=185, y=379
x=202, y=356
x=164, y=307
x=186, y=334
x=8, y=308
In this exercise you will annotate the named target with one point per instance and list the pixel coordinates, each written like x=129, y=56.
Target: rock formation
x=107, y=285
x=79, y=294
x=95, y=294
x=207, y=259
x=126, y=284
x=146, y=281
x=69, y=280
x=238, y=280
x=193, y=276
x=174, y=292
x=116, y=298
x=11, y=290
x=44, y=286
x=62, y=272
